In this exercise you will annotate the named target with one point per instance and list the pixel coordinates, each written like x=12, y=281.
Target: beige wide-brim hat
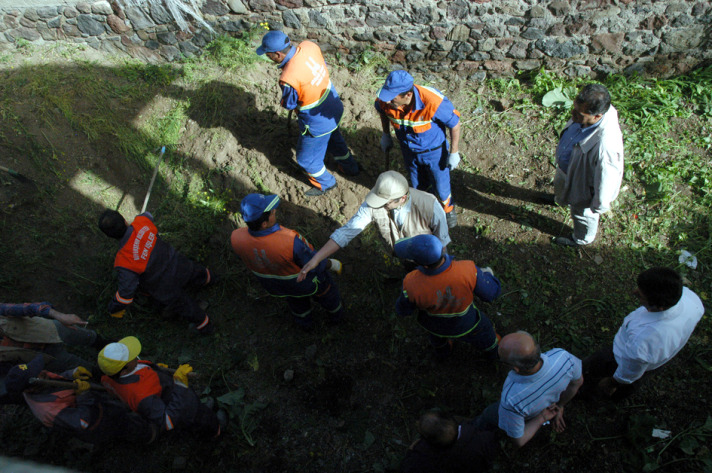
x=389, y=185
x=114, y=356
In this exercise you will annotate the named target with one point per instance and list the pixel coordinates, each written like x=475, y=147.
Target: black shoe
x=547, y=199
x=349, y=172
x=314, y=192
x=565, y=241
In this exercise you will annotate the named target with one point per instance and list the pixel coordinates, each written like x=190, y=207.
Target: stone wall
x=475, y=38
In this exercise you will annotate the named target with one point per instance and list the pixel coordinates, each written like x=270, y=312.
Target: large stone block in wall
x=138, y=18
x=291, y=3
x=236, y=6
x=262, y=5
x=159, y=14
x=116, y=24
x=459, y=33
x=215, y=7
x=381, y=19
x=101, y=8
x=561, y=49
x=683, y=39
x=291, y=20
x=610, y=42
x=88, y=25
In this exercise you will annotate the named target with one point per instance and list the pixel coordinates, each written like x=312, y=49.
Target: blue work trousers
x=310, y=156
x=429, y=172
x=327, y=295
x=482, y=337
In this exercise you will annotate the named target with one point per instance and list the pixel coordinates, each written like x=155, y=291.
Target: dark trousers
x=602, y=364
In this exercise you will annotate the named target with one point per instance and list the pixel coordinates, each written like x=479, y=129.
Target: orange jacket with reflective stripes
x=447, y=294
x=135, y=253
x=307, y=74
x=419, y=120
x=271, y=254
x=140, y=385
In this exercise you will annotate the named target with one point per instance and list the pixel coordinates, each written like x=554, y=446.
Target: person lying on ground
x=30, y=328
x=88, y=414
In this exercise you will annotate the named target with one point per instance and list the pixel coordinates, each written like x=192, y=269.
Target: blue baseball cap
x=254, y=205
x=18, y=378
x=396, y=83
x=423, y=249
x=272, y=42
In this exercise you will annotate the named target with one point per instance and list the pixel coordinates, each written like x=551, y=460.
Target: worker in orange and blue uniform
x=442, y=290
x=89, y=415
x=419, y=116
x=145, y=262
x=276, y=254
x=157, y=396
x=306, y=88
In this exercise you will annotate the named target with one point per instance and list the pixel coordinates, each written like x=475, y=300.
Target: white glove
x=453, y=160
x=336, y=266
x=386, y=142
x=487, y=270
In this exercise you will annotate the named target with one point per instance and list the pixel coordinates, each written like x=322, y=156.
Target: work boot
x=565, y=241
x=451, y=218
x=348, y=168
x=314, y=192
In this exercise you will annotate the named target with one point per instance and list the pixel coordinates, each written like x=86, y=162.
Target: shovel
x=15, y=174
x=153, y=179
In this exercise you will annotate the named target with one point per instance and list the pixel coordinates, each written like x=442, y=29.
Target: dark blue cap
x=396, y=83
x=254, y=205
x=272, y=42
x=19, y=376
x=423, y=249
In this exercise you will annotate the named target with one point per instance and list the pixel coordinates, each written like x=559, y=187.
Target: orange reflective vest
x=132, y=393
x=268, y=255
x=419, y=120
x=135, y=253
x=447, y=294
x=306, y=73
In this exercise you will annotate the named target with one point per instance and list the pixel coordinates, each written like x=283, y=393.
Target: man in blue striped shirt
x=538, y=387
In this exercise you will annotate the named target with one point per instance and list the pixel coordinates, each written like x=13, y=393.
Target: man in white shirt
x=537, y=389
x=397, y=211
x=650, y=336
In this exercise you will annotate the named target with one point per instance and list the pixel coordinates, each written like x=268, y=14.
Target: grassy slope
x=58, y=117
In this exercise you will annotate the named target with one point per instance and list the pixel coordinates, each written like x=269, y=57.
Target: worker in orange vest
x=306, y=88
x=146, y=262
x=419, y=115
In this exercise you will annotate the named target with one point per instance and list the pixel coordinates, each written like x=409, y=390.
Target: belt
x=431, y=149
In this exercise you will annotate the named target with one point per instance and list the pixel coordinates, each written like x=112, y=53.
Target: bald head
x=520, y=351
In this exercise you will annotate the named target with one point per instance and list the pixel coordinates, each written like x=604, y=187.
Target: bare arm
x=532, y=426
x=455, y=138
x=69, y=320
x=566, y=396
x=329, y=248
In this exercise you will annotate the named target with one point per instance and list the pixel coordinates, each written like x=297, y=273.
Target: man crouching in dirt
x=398, y=211
x=307, y=89
x=146, y=262
x=442, y=290
x=276, y=255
